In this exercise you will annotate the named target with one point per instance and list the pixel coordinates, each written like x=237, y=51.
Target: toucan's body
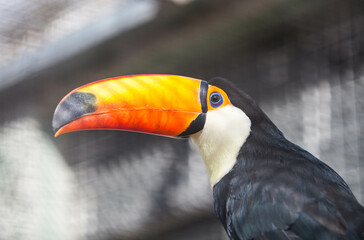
x=264, y=186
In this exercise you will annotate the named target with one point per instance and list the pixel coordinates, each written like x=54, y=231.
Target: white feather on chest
x=225, y=131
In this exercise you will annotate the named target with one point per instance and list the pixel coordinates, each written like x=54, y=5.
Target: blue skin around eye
x=217, y=104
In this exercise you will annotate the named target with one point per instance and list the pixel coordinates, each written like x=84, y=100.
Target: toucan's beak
x=165, y=105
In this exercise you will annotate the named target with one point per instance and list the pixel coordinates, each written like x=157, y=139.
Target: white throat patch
x=226, y=130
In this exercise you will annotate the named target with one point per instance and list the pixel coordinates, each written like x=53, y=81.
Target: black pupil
x=215, y=98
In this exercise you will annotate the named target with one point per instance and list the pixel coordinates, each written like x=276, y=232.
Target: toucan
x=264, y=186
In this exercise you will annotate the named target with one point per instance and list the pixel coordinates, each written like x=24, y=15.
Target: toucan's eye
x=216, y=99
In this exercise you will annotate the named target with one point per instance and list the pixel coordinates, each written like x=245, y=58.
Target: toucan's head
x=166, y=105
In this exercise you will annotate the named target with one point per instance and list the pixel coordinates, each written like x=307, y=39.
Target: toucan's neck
x=266, y=147
x=221, y=139
x=230, y=137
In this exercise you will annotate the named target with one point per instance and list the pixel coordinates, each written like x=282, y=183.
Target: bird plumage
x=277, y=190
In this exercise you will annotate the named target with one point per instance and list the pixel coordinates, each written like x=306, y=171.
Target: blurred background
x=303, y=62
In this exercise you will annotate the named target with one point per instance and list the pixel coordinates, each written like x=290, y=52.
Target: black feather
x=277, y=190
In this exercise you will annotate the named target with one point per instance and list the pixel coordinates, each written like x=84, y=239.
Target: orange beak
x=165, y=105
